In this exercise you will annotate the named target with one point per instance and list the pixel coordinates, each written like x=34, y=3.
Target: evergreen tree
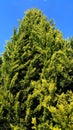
x=37, y=77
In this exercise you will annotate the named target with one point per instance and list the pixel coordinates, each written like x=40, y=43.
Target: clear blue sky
x=12, y=10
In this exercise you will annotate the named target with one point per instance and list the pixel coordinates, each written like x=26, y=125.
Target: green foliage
x=1, y=70
x=36, y=77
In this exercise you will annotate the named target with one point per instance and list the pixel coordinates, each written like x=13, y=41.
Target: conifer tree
x=37, y=77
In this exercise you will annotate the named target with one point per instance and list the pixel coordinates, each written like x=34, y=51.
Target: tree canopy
x=36, y=77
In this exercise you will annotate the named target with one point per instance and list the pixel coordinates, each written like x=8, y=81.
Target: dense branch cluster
x=36, y=77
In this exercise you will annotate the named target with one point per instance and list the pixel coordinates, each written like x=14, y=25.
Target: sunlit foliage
x=36, y=77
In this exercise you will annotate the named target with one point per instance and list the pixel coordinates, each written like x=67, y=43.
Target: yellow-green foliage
x=36, y=77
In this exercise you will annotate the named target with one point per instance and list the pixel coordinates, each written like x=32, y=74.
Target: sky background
x=61, y=11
